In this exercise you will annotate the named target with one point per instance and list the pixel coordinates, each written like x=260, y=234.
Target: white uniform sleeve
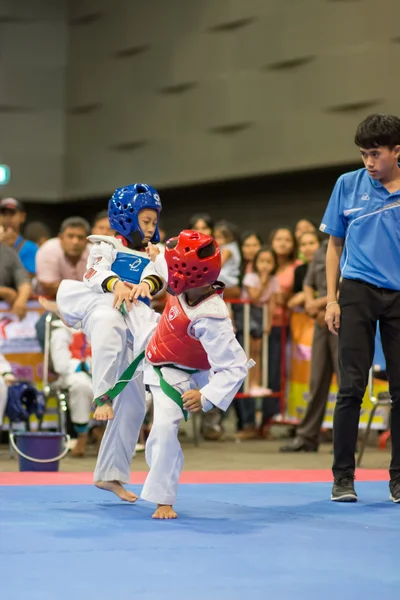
x=160, y=266
x=101, y=257
x=156, y=268
x=60, y=353
x=229, y=363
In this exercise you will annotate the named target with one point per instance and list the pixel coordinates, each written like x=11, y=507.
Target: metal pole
x=264, y=348
x=246, y=340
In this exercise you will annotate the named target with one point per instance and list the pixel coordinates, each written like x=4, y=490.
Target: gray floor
x=229, y=455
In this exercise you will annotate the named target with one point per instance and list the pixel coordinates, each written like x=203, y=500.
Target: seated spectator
x=101, y=224
x=15, y=286
x=12, y=217
x=37, y=232
x=226, y=237
x=70, y=355
x=63, y=257
x=6, y=378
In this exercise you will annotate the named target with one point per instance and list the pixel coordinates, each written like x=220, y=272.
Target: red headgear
x=193, y=260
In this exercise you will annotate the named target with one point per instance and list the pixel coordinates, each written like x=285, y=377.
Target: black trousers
x=362, y=305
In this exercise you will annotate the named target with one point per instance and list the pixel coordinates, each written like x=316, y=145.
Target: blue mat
x=259, y=541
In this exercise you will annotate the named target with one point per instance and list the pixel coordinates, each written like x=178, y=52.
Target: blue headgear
x=124, y=207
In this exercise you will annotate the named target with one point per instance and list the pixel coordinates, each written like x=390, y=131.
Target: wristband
x=102, y=400
x=110, y=284
x=155, y=282
x=330, y=303
x=150, y=283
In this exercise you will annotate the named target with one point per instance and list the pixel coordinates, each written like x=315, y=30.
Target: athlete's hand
x=141, y=290
x=332, y=317
x=121, y=294
x=192, y=401
x=152, y=251
x=104, y=413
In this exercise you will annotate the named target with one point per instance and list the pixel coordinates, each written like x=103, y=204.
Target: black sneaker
x=298, y=445
x=394, y=486
x=343, y=489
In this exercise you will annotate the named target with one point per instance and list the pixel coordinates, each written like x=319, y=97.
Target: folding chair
x=377, y=371
x=51, y=385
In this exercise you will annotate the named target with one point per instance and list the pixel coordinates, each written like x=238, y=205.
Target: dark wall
x=261, y=204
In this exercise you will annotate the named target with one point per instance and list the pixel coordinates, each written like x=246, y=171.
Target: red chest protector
x=79, y=346
x=173, y=342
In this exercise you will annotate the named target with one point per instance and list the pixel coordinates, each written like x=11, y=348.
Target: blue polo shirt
x=27, y=253
x=367, y=217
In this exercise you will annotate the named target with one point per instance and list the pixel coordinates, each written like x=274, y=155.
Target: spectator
x=70, y=354
x=261, y=286
x=37, y=232
x=211, y=426
x=63, y=257
x=163, y=235
x=101, y=224
x=309, y=243
x=12, y=217
x=303, y=226
x=250, y=244
x=226, y=237
x=284, y=244
x=324, y=357
x=15, y=287
x=202, y=222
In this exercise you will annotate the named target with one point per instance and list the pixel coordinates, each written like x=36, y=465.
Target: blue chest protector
x=129, y=267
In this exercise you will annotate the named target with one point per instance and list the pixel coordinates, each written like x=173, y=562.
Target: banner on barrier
x=302, y=328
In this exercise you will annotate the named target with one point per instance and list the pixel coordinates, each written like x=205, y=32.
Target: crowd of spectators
x=263, y=270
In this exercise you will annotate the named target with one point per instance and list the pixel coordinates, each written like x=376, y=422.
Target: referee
x=363, y=221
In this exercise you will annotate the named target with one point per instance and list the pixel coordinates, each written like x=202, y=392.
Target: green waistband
x=127, y=376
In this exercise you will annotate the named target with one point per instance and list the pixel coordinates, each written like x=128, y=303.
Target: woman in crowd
x=284, y=245
x=303, y=226
x=202, y=222
x=309, y=243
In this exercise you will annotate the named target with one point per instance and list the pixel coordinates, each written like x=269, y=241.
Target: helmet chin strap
x=135, y=239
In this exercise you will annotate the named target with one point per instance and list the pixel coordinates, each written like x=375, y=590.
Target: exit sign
x=4, y=174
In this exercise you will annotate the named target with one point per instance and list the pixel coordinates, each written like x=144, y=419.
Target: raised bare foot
x=164, y=511
x=118, y=489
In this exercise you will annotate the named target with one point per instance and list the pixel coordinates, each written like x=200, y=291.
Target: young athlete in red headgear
x=192, y=358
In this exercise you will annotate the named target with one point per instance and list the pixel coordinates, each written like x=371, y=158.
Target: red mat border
x=259, y=476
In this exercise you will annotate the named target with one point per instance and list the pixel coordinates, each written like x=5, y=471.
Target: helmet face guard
x=124, y=208
x=193, y=261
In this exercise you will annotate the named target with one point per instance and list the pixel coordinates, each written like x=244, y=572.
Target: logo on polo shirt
x=351, y=210
x=365, y=197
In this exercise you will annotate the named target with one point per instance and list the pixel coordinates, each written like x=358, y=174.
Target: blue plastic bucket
x=39, y=450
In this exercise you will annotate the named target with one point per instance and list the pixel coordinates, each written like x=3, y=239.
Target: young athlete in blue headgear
x=133, y=213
